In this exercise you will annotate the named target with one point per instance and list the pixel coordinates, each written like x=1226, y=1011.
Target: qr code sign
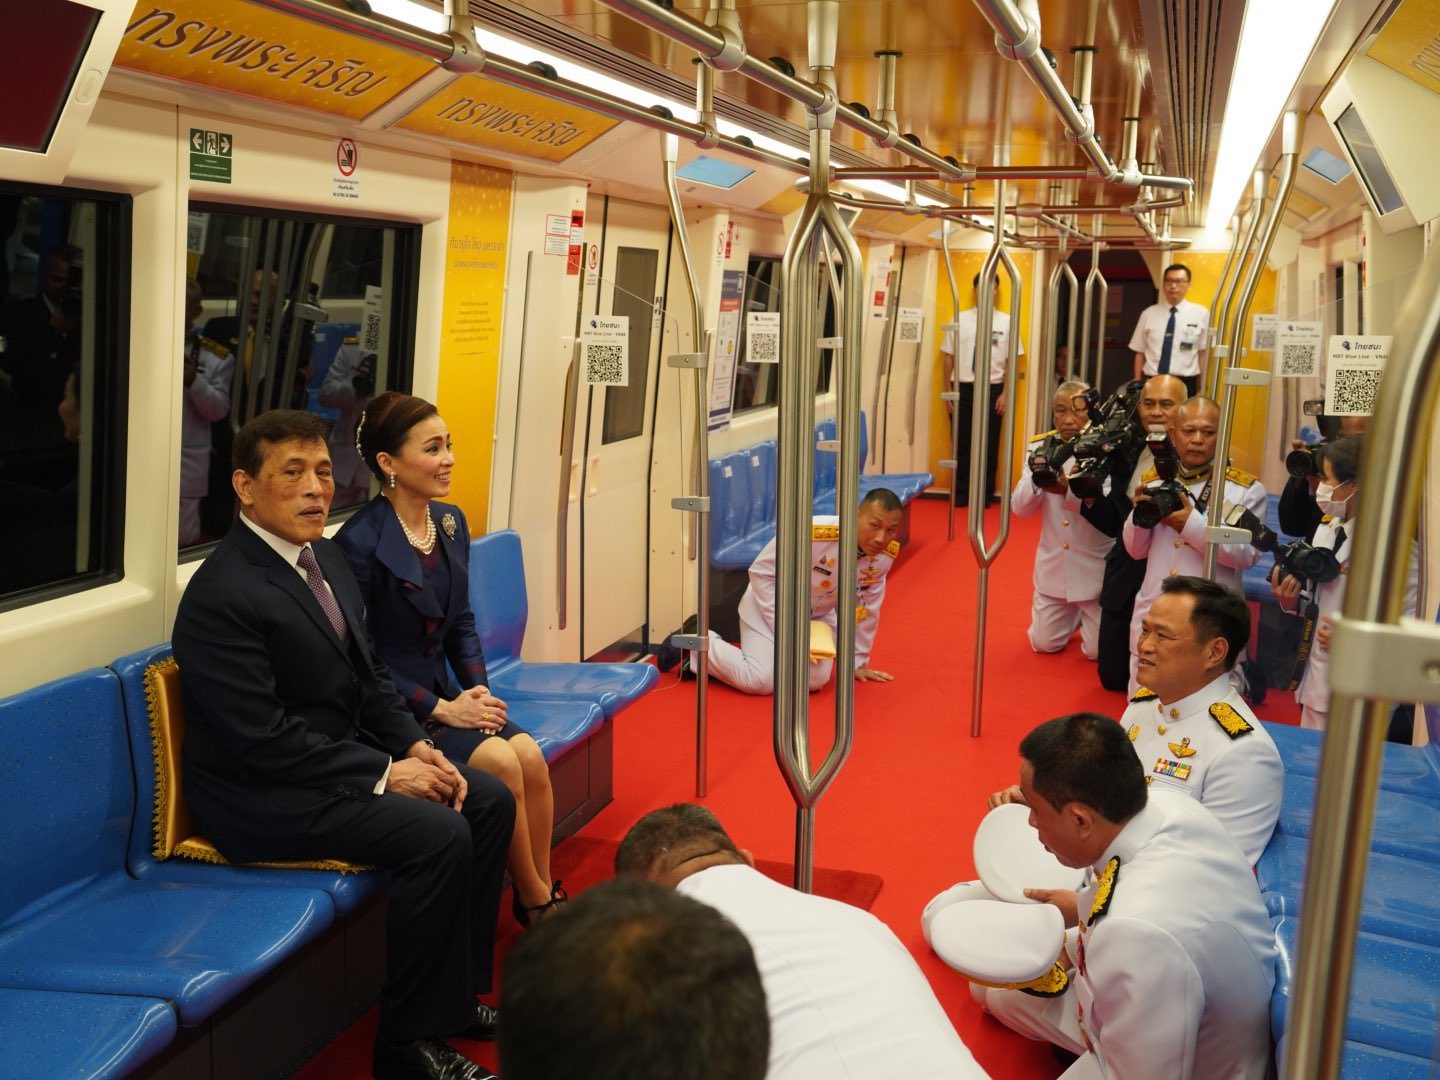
x=910, y=330
x=605, y=364
x=1265, y=338
x=764, y=348
x=1298, y=358
x=1353, y=391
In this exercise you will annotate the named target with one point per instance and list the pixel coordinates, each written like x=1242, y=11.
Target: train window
x=63, y=379
x=634, y=279
x=287, y=312
x=757, y=385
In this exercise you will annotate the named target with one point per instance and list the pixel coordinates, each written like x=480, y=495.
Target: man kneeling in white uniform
x=1173, y=962
x=845, y=997
x=751, y=666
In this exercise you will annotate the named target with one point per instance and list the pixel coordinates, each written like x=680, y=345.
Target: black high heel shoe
x=523, y=915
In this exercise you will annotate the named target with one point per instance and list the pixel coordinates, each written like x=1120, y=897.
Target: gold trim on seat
x=174, y=828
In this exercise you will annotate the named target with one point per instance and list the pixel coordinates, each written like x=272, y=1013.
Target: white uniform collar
x=1217, y=689
x=1134, y=836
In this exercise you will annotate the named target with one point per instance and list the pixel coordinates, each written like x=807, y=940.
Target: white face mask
x=1325, y=499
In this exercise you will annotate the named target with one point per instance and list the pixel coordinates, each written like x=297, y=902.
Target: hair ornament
x=359, y=426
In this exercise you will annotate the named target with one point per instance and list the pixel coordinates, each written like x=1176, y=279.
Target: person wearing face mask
x=1070, y=558
x=1319, y=602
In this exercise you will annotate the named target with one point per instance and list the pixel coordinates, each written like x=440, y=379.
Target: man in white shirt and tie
x=1169, y=339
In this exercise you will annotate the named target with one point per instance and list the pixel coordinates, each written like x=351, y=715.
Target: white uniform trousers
x=1053, y=620
x=750, y=666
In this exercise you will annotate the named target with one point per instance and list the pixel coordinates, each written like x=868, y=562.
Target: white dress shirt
x=846, y=999
x=1191, y=322
x=1182, y=746
x=960, y=343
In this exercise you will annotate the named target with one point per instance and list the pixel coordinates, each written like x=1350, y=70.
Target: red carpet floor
x=907, y=803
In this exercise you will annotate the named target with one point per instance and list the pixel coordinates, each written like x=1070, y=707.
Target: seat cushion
x=193, y=945
x=1409, y=769
x=1404, y=824
x=1363, y=1062
x=612, y=686
x=47, y=1034
x=556, y=724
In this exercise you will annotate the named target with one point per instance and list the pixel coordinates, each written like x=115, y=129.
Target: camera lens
x=1300, y=464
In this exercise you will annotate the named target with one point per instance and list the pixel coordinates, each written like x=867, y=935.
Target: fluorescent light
x=407, y=11
x=1275, y=41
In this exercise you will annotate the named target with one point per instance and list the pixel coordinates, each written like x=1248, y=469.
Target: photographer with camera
x=1167, y=525
x=1070, y=558
x=1298, y=513
x=348, y=386
x=1125, y=463
x=1309, y=576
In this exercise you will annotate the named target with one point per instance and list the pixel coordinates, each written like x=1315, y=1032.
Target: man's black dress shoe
x=485, y=1024
x=424, y=1059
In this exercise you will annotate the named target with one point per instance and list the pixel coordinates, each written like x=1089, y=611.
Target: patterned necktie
x=1164, y=368
x=316, y=580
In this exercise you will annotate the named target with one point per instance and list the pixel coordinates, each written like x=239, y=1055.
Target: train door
x=615, y=425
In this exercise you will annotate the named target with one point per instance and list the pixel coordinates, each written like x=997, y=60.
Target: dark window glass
x=757, y=386
x=63, y=369
x=287, y=312
x=634, y=280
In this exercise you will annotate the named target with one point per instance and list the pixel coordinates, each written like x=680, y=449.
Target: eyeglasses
x=1177, y=281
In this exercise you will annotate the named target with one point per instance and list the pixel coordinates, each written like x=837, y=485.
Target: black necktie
x=1164, y=368
x=316, y=580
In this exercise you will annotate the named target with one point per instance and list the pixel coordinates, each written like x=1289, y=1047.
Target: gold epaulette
x=1042, y=435
x=1230, y=721
x=351, y=341
x=1144, y=694
x=1052, y=984
x=1239, y=476
x=1325, y=519
x=1104, y=891
x=211, y=345
x=824, y=532
x=1148, y=475
x=893, y=549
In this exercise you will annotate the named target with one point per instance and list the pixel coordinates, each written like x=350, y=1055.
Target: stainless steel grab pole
x=986, y=552
x=698, y=502
x=952, y=392
x=1094, y=283
x=1292, y=130
x=800, y=284
x=1372, y=659
x=1216, y=363
x=1213, y=328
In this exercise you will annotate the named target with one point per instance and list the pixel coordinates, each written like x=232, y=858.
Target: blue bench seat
x=1392, y=992
x=48, y=1035
x=1411, y=770
x=1405, y=825
x=1363, y=1062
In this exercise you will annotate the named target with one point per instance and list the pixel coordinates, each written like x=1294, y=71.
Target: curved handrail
x=1372, y=660
x=1212, y=328
x=1222, y=351
x=954, y=387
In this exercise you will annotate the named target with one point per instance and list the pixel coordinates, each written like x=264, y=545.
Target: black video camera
x=1167, y=496
x=1110, y=433
x=1299, y=558
x=1301, y=464
x=1047, y=459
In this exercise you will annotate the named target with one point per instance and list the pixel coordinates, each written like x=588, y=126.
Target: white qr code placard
x=907, y=326
x=1352, y=373
x=374, y=324
x=1297, y=349
x=1262, y=333
x=762, y=337
x=605, y=350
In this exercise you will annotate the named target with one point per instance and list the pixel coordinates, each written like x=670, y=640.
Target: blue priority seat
x=47, y=1034
x=138, y=673
x=498, y=597
x=905, y=485
x=737, y=531
x=1402, y=896
x=1363, y=1062
x=71, y=918
x=1405, y=825
x=1408, y=769
x=1392, y=992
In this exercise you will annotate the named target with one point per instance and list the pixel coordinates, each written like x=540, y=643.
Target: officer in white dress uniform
x=959, y=354
x=846, y=998
x=751, y=666
x=209, y=372
x=1177, y=545
x=1336, y=496
x=1174, y=961
x=348, y=386
x=1070, y=558
x=1170, y=336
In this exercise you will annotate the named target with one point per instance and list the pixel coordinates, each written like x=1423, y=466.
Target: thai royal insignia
x=1172, y=769
x=825, y=532
x=1134, y=732
x=1229, y=720
x=860, y=613
x=1051, y=984
x=1182, y=748
x=448, y=524
x=1104, y=890
x=1144, y=694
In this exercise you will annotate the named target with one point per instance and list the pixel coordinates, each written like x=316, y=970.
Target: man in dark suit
x=298, y=747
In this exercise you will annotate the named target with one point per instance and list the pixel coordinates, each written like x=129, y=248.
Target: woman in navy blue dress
x=410, y=555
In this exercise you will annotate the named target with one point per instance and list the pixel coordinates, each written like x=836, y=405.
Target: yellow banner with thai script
x=1410, y=42
x=484, y=113
x=251, y=50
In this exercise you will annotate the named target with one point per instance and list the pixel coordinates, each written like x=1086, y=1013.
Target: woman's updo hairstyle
x=385, y=424
x=1344, y=457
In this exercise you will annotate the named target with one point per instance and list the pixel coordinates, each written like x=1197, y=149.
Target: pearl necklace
x=428, y=544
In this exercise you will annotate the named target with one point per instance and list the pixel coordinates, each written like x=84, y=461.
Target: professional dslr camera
x=1300, y=463
x=1047, y=459
x=1299, y=558
x=1110, y=433
x=1169, y=495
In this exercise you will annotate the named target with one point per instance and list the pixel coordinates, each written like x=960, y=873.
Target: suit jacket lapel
x=287, y=578
x=393, y=551
x=459, y=574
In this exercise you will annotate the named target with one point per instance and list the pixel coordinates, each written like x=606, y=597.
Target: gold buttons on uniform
x=1065, y=546
x=1174, y=572
x=1177, y=543
x=1174, y=714
x=1065, y=522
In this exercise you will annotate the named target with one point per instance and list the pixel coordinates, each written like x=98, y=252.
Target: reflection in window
x=287, y=312
x=758, y=385
x=63, y=363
